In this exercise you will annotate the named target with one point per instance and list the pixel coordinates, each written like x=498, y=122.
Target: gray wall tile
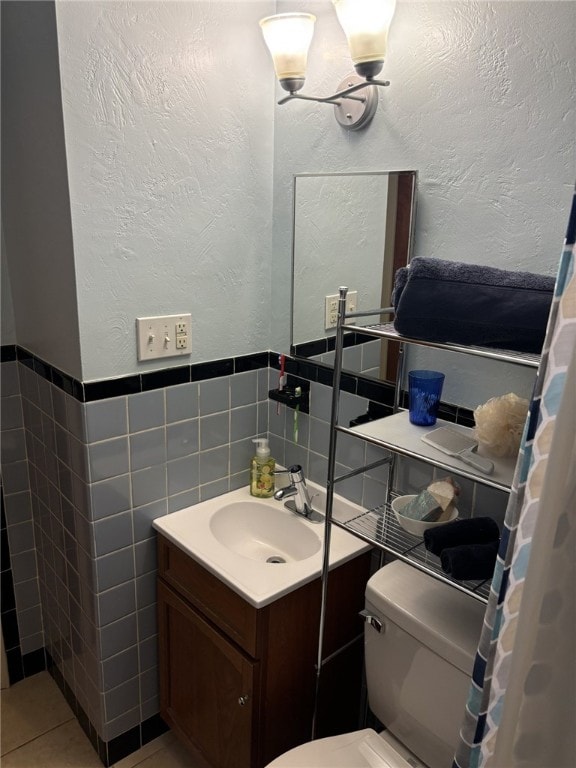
x=148, y=650
x=113, y=533
x=182, y=403
x=243, y=422
x=11, y=412
x=118, y=636
x=108, y=458
x=106, y=419
x=110, y=496
x=120, y=668
x=148, y=485
x=116, y=603
x=214, y=395
x=145, y=556
x=18, y=507
x=9, y=380
x=146, y=410
x=182, y=439
x=214, y=431
x=142, y=518
x=147, y=449
x=15, y=477
x=147, y=621
x=115, y=569
x=244, y=389
x=122, y=699
x=214, y=465
x=183, y=474
x=20, y=537
x=183, y=500
x=145, y=590
x=13, y=446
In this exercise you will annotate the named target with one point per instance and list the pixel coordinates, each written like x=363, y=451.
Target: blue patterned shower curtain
x=521, y=711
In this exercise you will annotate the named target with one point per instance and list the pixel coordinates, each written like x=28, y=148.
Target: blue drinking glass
x=424, y=391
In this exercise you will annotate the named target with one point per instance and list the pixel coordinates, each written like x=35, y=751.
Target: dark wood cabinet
x=238, y=683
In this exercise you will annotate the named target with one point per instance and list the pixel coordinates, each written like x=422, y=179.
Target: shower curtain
x=521, y=710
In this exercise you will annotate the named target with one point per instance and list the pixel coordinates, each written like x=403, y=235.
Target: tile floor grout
x=40, y=731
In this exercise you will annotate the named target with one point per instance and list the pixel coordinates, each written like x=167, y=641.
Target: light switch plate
x=331, y=307
x=163, y=336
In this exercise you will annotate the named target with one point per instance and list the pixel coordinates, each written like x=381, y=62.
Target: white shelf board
x=398, y=434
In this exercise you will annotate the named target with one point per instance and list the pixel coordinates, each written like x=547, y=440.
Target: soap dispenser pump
x=262, y=470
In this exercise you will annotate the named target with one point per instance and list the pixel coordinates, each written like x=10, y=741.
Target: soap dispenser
x=262, y=470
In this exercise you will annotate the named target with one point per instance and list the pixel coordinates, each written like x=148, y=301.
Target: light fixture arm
x=351, y=112
x=336, y=98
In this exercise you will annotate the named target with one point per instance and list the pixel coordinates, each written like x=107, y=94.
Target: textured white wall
x=169, y=138
x=481, y=104
x=35, y=205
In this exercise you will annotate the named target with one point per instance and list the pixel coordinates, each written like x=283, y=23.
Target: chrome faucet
x=302, y=504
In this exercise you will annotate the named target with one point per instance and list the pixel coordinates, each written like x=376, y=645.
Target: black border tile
x=10, y=630
x=465, y=417
x=102, y=390
x=25, y=357
x=63, y=381
x=378, y=391
x=167, y=377
x=251, y=362
x=213, y=369
x=8, y=353
x=152, y=728
x=14, y=664
x=123, y=745
x=7, y=591
x=310, y=348
x=34, y=662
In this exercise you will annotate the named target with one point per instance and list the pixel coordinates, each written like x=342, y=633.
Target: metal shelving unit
x=394, y=433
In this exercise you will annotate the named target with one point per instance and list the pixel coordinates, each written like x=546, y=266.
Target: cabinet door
x=207, y=687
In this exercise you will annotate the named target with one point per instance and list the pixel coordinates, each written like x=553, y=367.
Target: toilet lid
x=360, y=749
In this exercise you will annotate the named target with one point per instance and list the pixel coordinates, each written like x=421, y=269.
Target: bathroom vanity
x=238, y=679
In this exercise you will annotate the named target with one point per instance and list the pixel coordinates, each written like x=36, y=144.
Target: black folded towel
x=476, y=530
x=450, y=301
x=470, y=562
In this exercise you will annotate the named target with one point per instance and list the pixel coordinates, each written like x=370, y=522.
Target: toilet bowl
x=419, y=653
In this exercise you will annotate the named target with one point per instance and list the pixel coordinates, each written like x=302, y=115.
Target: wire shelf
x=387, y=331
x=379, y=526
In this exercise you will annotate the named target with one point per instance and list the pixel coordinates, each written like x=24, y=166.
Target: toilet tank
x=418, y=667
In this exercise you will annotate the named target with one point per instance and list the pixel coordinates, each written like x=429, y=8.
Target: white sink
x=265, y=533
x=257, y=547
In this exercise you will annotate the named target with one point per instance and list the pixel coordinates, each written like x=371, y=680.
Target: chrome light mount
x=352, y=112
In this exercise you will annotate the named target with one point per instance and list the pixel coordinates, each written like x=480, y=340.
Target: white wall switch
x=331, y=307
x=163, y=336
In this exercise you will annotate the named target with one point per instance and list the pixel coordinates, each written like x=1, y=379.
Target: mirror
x=352, y=229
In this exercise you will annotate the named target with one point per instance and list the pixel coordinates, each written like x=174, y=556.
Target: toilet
x=420, y=641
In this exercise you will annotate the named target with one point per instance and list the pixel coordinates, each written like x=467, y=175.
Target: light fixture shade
x=366, y=24
x=288, y=37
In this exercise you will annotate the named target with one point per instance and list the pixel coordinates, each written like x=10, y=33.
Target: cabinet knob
x=243, y=700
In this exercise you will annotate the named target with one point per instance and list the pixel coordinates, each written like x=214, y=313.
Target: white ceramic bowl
x=416, y=527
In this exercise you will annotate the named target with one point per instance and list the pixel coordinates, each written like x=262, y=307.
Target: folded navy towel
x=470, y=562
x=450, y=301
x=475, y=530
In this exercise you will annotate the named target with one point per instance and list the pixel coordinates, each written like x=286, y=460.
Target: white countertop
x=260, y=583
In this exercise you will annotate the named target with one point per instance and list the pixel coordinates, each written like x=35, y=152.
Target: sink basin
x=264, y=533
x=241, y=539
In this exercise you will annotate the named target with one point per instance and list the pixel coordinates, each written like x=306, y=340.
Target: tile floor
x=40, y=731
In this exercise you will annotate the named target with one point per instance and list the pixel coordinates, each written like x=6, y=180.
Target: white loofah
x=499, y=424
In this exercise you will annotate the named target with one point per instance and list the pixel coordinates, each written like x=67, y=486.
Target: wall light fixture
x=366, y=24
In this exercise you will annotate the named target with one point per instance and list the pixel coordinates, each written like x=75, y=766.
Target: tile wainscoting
x=87, y=467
